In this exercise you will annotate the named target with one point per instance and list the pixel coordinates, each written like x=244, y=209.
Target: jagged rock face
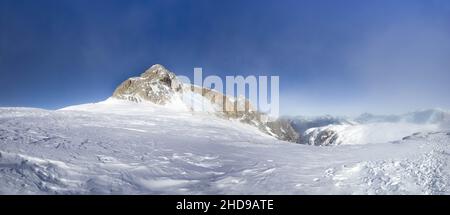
x=320, y=137
x=157, y=85
x=228, y=108
x=225, y=104
x=284, y=130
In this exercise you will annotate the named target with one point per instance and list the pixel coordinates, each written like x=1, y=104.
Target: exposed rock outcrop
x=156, y=84
x=320, y=137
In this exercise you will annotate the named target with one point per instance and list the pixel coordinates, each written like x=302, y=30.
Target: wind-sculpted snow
x=116, y=148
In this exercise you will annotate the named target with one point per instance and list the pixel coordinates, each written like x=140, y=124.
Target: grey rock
x=323, y=137
x=284, y=130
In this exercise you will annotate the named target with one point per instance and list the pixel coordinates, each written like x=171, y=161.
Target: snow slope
x=348, y=134
x=116, y=147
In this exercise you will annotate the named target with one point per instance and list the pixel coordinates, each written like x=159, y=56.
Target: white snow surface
x=117, y=147
x=355, y=134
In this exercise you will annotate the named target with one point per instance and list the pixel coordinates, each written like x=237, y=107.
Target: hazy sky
x=335, y=57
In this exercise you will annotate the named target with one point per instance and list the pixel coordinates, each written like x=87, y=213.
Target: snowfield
x=371, y=133
x=118, y=147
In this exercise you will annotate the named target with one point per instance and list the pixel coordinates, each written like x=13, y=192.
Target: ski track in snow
x=171, y=152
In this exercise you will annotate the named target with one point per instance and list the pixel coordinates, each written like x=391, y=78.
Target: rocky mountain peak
x=160, y=86
x=156, y=84
x=157, y=70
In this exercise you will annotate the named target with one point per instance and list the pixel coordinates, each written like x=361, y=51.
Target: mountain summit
x=161, y=86
x=157, y=85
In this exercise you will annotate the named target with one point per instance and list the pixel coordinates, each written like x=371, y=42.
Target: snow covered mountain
x=148, y=139
x=158, y=85
x=369, y=128
x=348, y=134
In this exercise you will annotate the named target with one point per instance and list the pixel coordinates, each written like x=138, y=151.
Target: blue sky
x=333, y=57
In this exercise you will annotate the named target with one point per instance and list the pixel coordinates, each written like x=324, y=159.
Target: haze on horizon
x=333, y=57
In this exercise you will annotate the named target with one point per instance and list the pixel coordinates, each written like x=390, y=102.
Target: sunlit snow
x=119, y=147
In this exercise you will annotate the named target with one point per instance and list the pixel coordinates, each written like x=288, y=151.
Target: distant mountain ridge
x=435, y=115
x=368, y=128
